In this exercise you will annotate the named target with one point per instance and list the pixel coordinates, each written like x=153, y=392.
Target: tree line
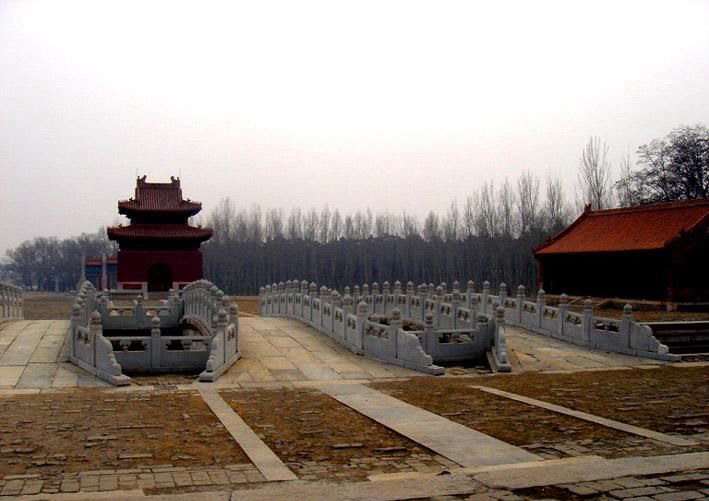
x=489, y=236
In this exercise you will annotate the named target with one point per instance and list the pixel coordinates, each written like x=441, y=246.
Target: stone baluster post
x=95, y=332
x=362, y=315
x=336, y=300
x=521, y=298
x=155, y=343
x=429, y=336
x=234, y=321
x=367, y=297
x=474, y=310
x=347, y=305
x=75, y=323
x=394, y=325
x=626, y=324
x=469, y=293
x=139, y=311
x=486, y=294
x=541, y=304
x=563, y=308
x=356, y=294
x=587, y=321
x=503, y=294
x=437, y=300
x=455, y=304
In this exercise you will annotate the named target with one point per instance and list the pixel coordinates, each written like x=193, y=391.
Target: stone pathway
x=35, y=353
x=263, y=458
x=278, y=349
x=617, y=425
x=534, y=352
x=454, y=441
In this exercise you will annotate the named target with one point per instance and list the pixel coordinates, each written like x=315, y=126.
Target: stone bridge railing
x=88, y=348
x=436, y=309
x=397, y=327
x=11, y=302
x=197, y=330
x=624, y=336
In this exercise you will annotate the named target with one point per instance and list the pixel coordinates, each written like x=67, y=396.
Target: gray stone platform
x=34, y=354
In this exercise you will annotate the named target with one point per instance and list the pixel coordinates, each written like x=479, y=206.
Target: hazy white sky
x=384, y=104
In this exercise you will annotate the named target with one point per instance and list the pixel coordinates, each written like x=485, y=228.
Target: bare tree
x=623, y=188
x=528, y=201
x=506, y=201
x=556, y=210
x=594, y=177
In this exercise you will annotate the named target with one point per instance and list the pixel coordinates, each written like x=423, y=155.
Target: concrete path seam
x=609, y=423
x=452, y=440
x=270, y=466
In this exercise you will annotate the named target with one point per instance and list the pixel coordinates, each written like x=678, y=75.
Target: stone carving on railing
x=463, y=324
x=208, y=336
x=11, y=302
x=398, y=325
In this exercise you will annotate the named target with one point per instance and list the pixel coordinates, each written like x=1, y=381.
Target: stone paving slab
x=270, y=466
x=529, y=351
x=279, y=349
x=572, y=472
x=35, y=355
x=454, y=441
x=628, y=428
x=486, y=483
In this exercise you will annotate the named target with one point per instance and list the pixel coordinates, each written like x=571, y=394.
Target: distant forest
x=487, y=237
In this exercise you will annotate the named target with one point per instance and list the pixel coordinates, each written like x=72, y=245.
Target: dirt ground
x=548, y=434
x=47, y=305
x=50, y=434
x=668, y=399
x=320, y=438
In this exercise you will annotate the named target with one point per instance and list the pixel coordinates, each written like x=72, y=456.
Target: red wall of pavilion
x=133, y=265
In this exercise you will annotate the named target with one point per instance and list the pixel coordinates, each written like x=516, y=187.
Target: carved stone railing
x=585, y=329
x=463, y=310
x=166, y=345
x=11, y=302
x=88, y=348
x=395, y=326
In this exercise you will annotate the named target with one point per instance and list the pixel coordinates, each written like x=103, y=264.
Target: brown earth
x=320, y=438
x=667, y=399
x=90, y=429
x=47, y=305
x=542, y=432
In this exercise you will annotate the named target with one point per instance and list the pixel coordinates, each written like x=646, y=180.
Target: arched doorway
x=159, y=278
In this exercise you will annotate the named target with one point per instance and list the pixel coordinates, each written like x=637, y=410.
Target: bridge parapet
x=153, y=338
x=11, y=302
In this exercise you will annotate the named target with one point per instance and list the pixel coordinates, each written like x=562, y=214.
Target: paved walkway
x=270, y=466
x=35, y=354
x=278, y=349
x=454, y=441
x=534, y=352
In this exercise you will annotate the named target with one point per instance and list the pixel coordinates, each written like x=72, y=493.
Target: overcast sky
x=391, y=105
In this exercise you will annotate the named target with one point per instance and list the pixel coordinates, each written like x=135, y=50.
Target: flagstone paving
x=34, y=354
x=167, y=435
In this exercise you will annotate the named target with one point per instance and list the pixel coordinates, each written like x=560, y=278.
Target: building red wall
x=133, y=265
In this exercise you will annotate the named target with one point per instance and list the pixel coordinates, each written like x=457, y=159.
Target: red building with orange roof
x=658, y=251
x=159, y=250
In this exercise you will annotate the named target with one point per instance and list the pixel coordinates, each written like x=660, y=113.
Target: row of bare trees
x=487, y=237
x=53, y=264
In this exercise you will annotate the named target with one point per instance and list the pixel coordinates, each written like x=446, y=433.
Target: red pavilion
x=159, y=250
